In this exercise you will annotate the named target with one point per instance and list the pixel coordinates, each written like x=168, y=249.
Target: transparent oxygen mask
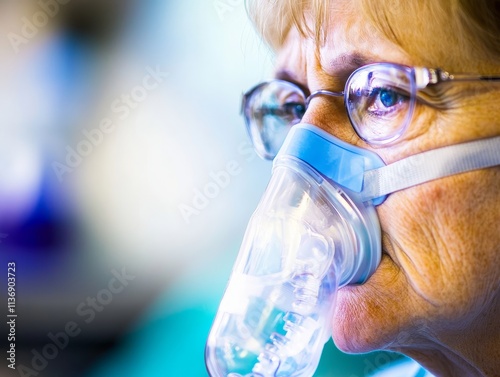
x=307, y=238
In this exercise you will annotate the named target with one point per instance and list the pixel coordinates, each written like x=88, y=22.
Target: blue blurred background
x=116, y=117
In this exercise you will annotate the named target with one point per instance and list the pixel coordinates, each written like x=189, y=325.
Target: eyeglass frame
x=421, y=77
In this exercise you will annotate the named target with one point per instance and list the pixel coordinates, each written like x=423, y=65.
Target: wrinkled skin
x=435, y=296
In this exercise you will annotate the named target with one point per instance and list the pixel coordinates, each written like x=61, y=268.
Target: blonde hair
x=458, y=35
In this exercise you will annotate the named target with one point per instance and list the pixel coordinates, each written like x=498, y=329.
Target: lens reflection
x=270, y=110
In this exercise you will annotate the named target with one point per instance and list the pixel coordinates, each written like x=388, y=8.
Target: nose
x=326, y=110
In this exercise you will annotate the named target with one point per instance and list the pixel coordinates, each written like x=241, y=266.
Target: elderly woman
x=435, y=296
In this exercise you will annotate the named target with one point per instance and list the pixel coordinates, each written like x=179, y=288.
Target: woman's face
x=439, y=271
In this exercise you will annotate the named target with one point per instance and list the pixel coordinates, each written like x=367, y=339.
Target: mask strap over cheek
x=430, y=165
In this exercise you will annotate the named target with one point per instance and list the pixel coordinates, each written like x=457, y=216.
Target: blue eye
x=289, y=112
x=388, y=97
x=384, y=101
x=295, y=110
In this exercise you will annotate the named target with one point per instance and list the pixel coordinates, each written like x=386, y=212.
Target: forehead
x=350, y=41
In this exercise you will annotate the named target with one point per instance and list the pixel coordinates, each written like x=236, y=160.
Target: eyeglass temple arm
x=430, y=76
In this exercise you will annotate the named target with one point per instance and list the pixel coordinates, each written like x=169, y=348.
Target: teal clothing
x=406, y=368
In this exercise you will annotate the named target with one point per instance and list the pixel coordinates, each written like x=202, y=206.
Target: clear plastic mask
x=306, y=239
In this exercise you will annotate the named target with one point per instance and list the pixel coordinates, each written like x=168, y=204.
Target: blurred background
x=126, y=182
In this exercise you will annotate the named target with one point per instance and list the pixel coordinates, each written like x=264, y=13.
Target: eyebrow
x=343, y=65
x=287, y=75
x=340, y=67
x=351, y=60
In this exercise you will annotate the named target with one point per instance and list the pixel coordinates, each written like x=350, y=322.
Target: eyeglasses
x=379, y=98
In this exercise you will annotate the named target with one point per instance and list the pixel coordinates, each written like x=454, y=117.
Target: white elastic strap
x=430, y=165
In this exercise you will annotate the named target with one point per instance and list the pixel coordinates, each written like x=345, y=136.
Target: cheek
x=445, y=240
x=372, y=315
x=412, y=237
x=442, y=271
